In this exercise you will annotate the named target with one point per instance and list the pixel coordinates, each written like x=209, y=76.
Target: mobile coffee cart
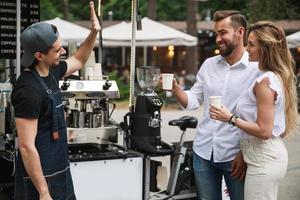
x=104, y=165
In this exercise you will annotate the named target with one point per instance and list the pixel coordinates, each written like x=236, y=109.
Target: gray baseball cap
x=38, y=37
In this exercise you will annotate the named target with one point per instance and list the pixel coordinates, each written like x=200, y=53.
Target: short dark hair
x=236, y=17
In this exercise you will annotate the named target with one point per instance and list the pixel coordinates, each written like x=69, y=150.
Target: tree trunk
x=152, y=9
x=66, y=9
x=192, y=52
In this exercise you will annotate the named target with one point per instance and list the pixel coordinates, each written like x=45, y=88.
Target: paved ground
x=290, y=186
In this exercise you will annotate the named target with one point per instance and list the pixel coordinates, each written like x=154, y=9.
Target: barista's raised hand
x=95, y=22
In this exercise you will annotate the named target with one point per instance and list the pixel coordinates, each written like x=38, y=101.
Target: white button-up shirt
x=217, y=78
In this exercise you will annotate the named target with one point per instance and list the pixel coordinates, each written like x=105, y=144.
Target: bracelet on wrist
x=230, y=119
x=233, y=120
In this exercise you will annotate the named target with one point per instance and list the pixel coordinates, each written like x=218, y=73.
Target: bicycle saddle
x=184, y=122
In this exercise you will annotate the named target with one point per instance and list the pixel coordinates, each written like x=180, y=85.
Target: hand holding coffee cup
x=217, y=110
x=216, y=101
x=167, y=81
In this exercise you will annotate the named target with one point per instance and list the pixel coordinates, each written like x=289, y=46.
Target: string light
x=217, y=51
x=171, y=48
x=171, y=54
x=171, y=51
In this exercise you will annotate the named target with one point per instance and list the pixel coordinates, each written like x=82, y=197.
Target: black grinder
x=145, y=122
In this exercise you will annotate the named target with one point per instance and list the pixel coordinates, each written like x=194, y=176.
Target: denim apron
x=51, y=144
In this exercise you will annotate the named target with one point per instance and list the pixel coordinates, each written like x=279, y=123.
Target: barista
x=42, y=168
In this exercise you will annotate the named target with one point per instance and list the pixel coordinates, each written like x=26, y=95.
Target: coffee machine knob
x=65, y=85
x=154, y=123
x=156, y=115
x=106, y=85
x=159, y=103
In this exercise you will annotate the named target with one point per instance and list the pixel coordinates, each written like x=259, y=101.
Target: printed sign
x=30, y=13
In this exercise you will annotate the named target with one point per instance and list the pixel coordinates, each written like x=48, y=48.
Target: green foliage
x=171, y=10
x=175, y=9
x=166, y=9
x=122, y=9
x=272, y=10
x=122, y=85
x=215, y=5
x=49, y=10
x=78, y=10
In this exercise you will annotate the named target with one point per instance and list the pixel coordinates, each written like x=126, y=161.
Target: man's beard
x=228, y=50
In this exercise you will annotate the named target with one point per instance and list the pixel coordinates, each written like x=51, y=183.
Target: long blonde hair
x=276, y=57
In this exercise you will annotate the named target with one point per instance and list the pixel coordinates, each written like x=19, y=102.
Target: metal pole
x=18, y=49
x=100, y=45
x=132, y=55
x=145, y=55
x=123, y=56
x=146, y=193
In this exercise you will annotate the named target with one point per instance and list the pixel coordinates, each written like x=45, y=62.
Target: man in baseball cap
x=38, y=37
x=42, y=167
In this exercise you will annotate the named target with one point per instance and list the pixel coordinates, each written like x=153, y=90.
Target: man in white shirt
x=216, y=145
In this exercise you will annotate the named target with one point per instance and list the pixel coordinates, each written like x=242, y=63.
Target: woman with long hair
x=265, y=113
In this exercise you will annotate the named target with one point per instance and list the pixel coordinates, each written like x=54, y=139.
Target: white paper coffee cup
x=88, y=71
x=97, y=70
x=216, y=101
x=167, y=81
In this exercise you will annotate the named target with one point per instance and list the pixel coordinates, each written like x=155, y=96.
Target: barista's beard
x=54, y=64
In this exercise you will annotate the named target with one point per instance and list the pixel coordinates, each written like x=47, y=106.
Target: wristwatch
x=233, y=120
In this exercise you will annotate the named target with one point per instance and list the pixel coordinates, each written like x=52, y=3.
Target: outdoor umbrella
x=293, y=40
x=153, y=33
x=70, y=32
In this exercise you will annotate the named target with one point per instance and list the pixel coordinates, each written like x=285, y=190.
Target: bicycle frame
x=177, y=161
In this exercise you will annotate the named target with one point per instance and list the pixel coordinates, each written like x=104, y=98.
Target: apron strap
x=55, y=133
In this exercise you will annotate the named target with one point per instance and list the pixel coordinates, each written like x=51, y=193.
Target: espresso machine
x=88, y=106
x=144, y=123
x=7, y=143
x=97, y=158
x=5, y=91
x=7, y=129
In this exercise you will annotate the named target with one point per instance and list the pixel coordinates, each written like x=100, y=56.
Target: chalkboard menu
x=30, y=13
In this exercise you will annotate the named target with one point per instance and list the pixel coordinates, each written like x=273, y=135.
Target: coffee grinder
x=145, y=121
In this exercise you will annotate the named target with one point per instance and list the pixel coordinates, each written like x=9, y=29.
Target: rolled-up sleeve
x=195, y=94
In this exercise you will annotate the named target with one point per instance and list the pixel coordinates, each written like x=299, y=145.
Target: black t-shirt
x=28, y=97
